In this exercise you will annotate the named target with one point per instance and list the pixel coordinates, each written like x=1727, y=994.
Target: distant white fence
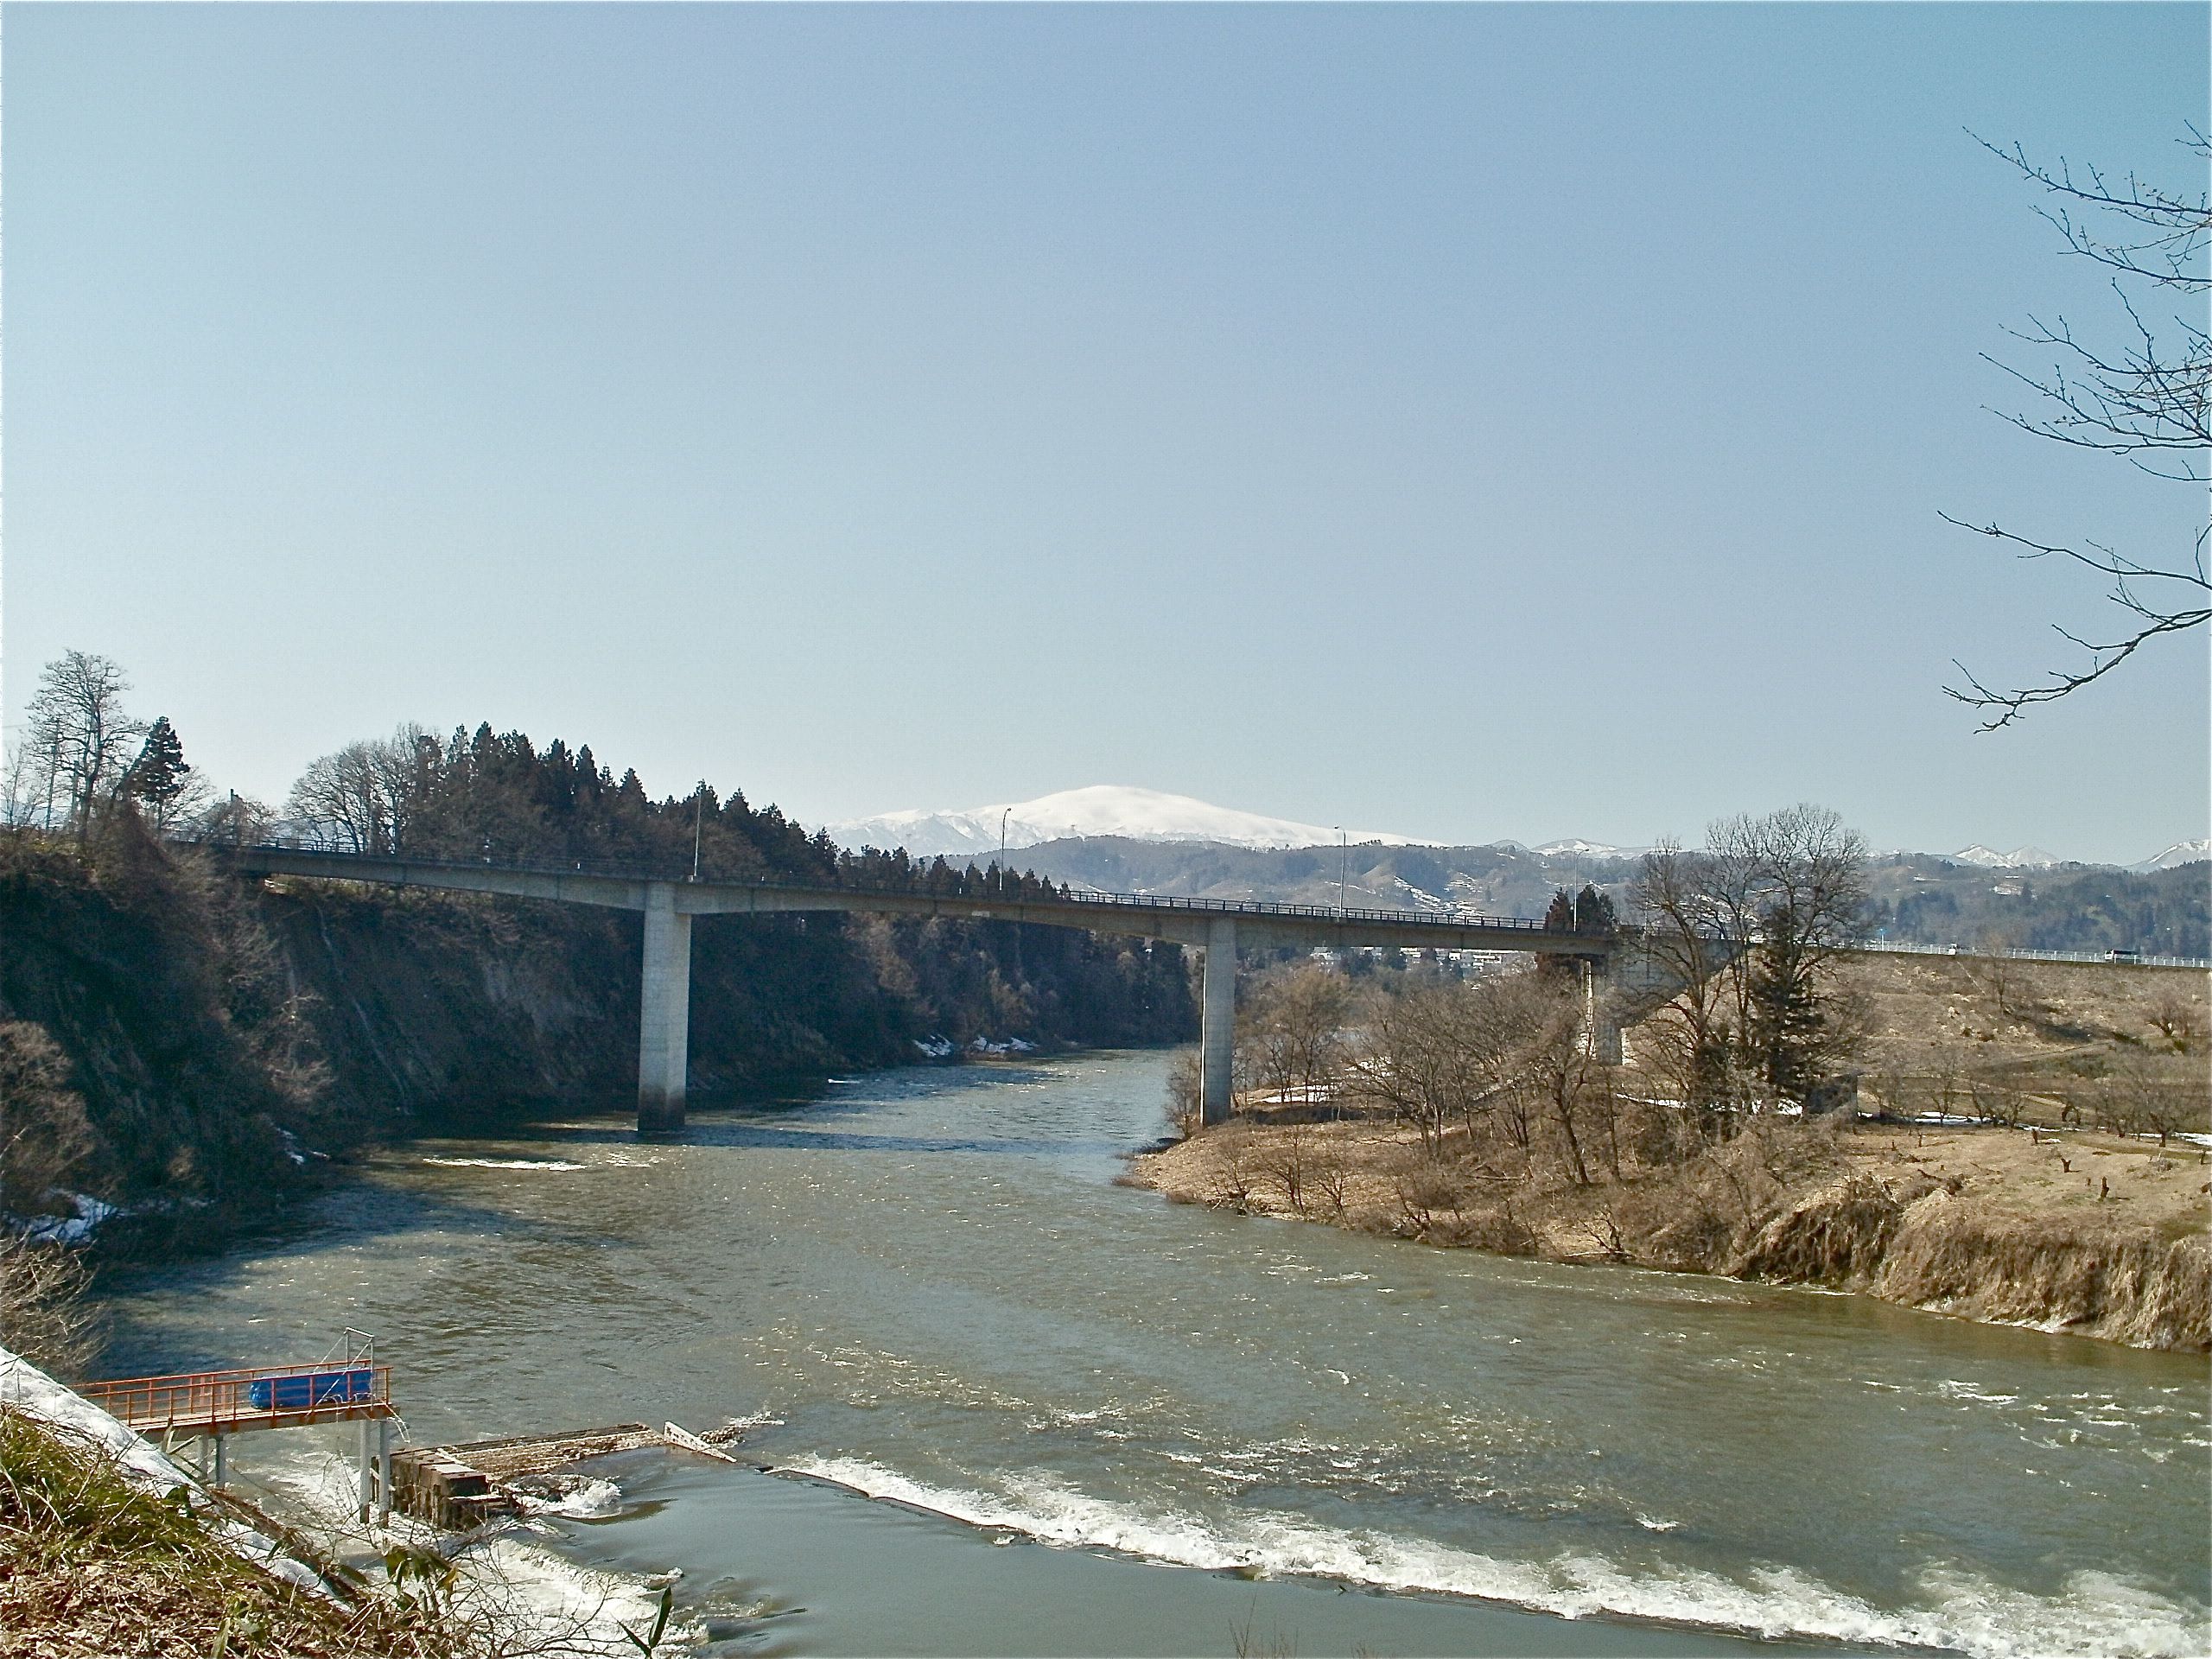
x=2126, y=959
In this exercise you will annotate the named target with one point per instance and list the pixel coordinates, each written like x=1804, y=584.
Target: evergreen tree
x=1593, y=911
x=157, y=776
x=1559, y=918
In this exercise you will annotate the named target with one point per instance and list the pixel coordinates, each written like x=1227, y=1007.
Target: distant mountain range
x=1129, y=813
x=1074, y=813
x=2181, y=853
x=2034, y=858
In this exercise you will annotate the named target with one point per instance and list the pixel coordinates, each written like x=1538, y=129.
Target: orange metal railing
x=269, y=1397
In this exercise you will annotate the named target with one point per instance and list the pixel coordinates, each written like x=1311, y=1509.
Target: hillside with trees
x=1914, y=898
x=193, y=1047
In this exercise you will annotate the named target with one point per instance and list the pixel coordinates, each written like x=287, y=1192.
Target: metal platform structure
x=192, y=1412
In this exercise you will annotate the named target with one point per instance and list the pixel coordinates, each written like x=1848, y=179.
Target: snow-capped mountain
x=1575, y=848
x=2020, y=858
x=1101, y=809
x=2181, y=852
x=1153, y=815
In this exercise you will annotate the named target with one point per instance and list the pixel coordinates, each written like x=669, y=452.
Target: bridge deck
x=1151, y=915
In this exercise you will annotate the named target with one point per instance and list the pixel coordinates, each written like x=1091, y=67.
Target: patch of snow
x=71, y=1230
x=937, y=1048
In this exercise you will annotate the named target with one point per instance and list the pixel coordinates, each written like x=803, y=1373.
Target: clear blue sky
x=1472, y=422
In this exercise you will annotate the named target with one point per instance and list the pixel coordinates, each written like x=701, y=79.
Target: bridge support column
x=1217, y=1023
x=1601, y=1020
x=665, y=1011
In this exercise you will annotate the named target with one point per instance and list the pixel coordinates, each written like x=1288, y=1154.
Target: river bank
x=2095, y=1235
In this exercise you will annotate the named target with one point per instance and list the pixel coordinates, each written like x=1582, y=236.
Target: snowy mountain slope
x=2181, y=852
x=1100, y=810
x=1151, y=815
x=2020, y=858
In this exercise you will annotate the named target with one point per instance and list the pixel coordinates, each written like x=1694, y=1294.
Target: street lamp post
x=1342, y=855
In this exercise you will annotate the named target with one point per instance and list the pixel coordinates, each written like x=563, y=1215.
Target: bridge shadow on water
x=765, y=1136
x=810, y=1122
x=399, y=1189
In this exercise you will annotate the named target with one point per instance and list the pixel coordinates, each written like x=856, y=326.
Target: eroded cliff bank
x=2091, y=1234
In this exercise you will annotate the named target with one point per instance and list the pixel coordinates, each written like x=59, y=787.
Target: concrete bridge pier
x=665, y=1011
x=1217, y=1023
x=1601, y=1021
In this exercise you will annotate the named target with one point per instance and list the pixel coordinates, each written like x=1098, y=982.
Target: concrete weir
x=1216, y=928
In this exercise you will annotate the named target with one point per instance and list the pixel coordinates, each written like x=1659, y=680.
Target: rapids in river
x=925, y=1287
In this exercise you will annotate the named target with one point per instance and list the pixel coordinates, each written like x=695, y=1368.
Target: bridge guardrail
x=1903, y=948
x=1255, y=907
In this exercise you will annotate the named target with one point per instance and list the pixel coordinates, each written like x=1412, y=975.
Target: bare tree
x=1432, y=1058
x=1540, y=1023
x=1183, y=1077
x=2145, y=400
x=44, y=1314
x=80, y=741
x=368, y=793
x=1808, y=874
x=1689, y=941
x=1749, y=928
x=1288, y=1158
x=1294, y=1029
x=2177, y=1020
x=240, y=819
x=405, y=765
x=341, y=794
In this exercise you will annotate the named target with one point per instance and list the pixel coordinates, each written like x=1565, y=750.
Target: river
x=925, y=1287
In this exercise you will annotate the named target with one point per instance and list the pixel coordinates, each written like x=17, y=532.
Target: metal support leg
x=217, y=1460
x=362, y=1470
x=665, y=1011
x=384, y=1471
x=1217, y=1023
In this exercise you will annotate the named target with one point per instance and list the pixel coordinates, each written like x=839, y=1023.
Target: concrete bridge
x=1216, y=928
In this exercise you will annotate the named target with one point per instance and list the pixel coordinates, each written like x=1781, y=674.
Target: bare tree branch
x=2142, y=401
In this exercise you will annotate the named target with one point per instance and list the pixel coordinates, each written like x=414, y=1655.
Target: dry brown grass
x=2090, y=1233
x=2047, y=1042
x=92, y=1567
x=2100, y=1233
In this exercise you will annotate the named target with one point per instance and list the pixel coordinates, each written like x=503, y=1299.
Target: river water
x=925, y=1287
